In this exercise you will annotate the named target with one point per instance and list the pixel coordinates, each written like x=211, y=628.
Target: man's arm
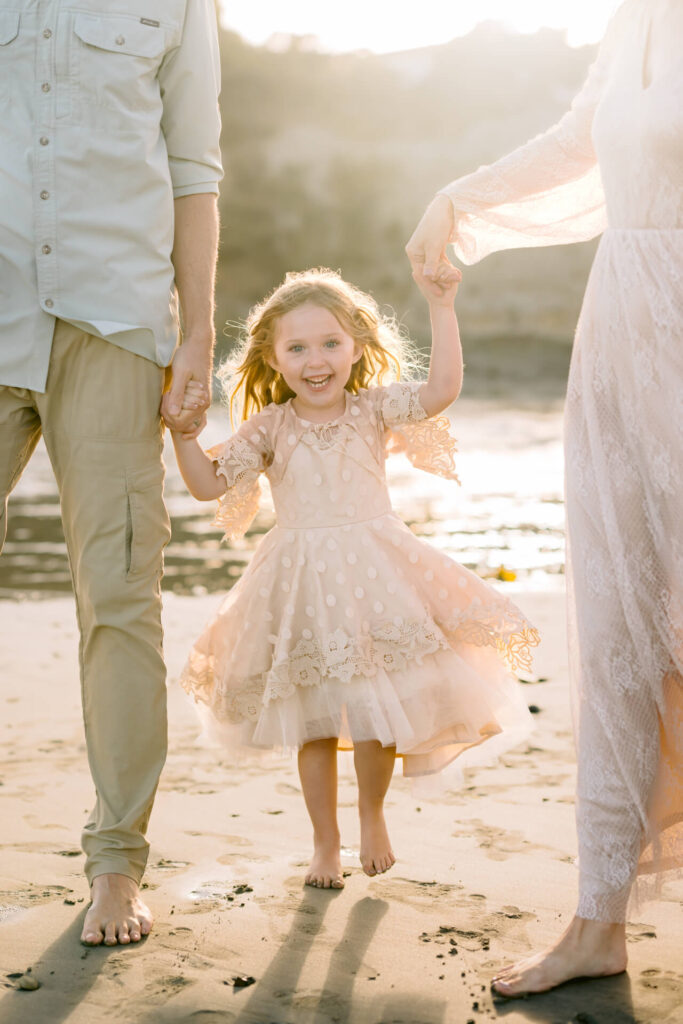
x=190, y=80
x=195, y=250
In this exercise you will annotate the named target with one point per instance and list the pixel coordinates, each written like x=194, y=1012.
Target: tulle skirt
x=363, y=632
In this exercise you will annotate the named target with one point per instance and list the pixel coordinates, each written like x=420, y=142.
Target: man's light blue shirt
x=107, y=113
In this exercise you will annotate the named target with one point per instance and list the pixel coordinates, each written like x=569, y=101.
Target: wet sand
x=484, y=875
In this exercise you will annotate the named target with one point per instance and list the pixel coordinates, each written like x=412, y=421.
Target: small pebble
x=534, y=709
x=241, y=981
x=28, y=983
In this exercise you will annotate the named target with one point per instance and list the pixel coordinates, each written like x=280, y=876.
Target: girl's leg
x=374, y=768
x=318, y=774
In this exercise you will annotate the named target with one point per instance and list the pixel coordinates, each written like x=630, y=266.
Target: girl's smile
x=315, y=355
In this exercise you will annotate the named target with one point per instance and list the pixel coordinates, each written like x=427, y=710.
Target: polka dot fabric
x=345, y=624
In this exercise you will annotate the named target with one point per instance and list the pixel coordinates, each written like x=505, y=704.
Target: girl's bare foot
x=376, y=855
x=116, y=914
x=325, y=871
x=588, y=949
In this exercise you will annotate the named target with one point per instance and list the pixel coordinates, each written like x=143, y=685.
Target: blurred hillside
x=330, y=160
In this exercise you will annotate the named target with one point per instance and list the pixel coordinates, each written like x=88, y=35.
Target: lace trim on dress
x=425, y=440
x=340, y=656
x=428, y=445
x=240, y=463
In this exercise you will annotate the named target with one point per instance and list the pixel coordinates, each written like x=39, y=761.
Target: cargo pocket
x=148, y=529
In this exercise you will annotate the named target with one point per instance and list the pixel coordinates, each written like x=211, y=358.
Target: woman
x=614, y=163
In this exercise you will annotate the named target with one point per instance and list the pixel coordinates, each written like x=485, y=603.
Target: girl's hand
x=195, y=396
x=441, y=288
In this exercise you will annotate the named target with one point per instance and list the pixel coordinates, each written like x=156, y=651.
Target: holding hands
x=184, y=405
x=434, y=274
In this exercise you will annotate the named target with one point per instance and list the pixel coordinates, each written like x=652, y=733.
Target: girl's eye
x=332, y=343
x=296, y=348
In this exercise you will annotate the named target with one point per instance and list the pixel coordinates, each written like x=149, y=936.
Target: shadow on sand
x=275, y=997
x=590, y=1000
x=66, y=960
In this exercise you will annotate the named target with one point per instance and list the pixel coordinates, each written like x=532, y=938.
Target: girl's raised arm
x=445, y=364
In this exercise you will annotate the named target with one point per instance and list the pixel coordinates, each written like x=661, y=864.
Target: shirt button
x=44, y=141
x=47, y=33
x=47, y=249
x=44, y=194
x=46, y=87
x=49, y=303
x=120, y=40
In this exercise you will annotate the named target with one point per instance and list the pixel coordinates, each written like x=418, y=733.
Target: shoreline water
x=508, y=511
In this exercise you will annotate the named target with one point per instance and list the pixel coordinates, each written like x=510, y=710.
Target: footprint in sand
x=669, y=989
x=287, y=789
x=639, y=932
x=33, y=895
x=420, y=895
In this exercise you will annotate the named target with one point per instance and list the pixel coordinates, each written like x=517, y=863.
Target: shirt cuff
x=200, y=188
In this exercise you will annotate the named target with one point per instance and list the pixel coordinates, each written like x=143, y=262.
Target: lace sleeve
x=241, y=460
x=546, y=192
x=426, y=441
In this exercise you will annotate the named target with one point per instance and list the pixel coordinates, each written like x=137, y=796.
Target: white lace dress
x=614, y=164
x=345, y=624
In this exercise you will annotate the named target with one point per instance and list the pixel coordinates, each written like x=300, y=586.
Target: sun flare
x=376, y=26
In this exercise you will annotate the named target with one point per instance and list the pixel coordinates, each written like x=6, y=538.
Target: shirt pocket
x=9, y=30
x=116, y=59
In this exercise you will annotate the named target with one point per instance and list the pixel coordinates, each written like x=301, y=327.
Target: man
x=109, y=170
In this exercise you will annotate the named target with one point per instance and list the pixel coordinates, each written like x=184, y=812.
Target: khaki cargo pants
x=100, y=420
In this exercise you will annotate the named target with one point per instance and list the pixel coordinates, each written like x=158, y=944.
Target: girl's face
x=315, y=355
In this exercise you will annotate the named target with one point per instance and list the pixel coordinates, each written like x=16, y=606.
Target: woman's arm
x=546, y=192
x=197, y=469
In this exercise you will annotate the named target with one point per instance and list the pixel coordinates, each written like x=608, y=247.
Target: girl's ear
x=272, y=362
x=357, y=351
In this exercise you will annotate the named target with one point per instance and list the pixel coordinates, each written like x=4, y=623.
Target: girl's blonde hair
x=250, y=383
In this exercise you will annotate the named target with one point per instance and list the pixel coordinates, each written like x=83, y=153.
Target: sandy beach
x=483, y=875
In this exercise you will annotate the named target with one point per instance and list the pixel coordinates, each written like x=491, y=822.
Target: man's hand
x=184, y=405
x=426, y=249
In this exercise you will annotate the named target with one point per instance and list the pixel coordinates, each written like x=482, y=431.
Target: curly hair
x=249, y=382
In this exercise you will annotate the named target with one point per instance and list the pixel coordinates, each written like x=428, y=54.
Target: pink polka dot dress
x=345, y=624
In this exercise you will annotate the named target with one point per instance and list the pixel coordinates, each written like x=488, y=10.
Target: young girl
x=346, y=630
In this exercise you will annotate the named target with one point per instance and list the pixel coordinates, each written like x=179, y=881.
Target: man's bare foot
x=116, y=914
x=376, y=855
x=588, y=949
x=325, y=871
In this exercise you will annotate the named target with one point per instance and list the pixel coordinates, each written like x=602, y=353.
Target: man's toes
x=146, y=925
x=91, y=936
x=124, y=935
x=110, y=934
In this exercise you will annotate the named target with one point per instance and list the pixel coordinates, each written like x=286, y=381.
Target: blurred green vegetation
x=330, y=160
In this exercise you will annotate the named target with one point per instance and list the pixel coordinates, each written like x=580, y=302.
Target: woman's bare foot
x=588, y=949
x=376, y=855
x=325, y=871
x=116, y=914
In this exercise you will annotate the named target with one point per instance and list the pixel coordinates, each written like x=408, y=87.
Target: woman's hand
x=426, y=249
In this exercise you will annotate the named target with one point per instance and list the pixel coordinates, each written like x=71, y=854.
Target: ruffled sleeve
x=425, y=440
x=241, y=460
x=547, y=192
